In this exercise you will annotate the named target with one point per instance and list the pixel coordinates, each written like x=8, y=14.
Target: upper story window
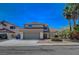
x=45, y=28
x=37, y=26
x=12, y=27
x=30, y=26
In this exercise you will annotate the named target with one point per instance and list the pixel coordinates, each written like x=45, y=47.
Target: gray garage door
x=31, y=35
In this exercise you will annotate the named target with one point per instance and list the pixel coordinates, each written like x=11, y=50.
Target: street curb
x=63, y=44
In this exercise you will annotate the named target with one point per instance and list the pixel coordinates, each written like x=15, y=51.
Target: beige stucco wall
x=41, y=35
x=10, y=36
x=33, y=30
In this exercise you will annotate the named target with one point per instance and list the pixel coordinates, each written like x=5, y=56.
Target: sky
x=22, y=13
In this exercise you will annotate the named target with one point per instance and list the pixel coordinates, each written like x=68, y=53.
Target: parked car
x=3, y=36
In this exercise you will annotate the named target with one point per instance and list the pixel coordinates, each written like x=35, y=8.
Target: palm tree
x=71, y=11
x=77, y=10
x=68, y=15
x=74, y=13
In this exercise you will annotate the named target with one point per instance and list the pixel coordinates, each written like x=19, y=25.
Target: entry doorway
x=44, y=36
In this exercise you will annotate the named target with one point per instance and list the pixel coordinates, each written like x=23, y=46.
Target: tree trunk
x=78, y=20
x=70, y=25
x=74, y=20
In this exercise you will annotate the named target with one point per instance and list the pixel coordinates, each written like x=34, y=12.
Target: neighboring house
x=36, y=30
x=8, y=25
x=52, y=32
x=8, y=30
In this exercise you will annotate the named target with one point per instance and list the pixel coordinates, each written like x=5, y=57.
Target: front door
x=45, y=36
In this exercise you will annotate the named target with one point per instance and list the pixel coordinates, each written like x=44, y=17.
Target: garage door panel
x=31, y=35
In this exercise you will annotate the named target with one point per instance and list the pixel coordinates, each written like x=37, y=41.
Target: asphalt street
x=39, y=50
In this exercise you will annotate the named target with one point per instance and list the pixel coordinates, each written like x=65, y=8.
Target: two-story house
x=8, y=30
x=36, y=30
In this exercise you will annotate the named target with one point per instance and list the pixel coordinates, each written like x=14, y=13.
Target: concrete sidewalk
x=15, y=42
x=57, y=43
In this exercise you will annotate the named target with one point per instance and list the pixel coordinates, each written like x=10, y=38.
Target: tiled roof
x=7, y=30
x=35, y=23
x=4, y=23
x=53, y=30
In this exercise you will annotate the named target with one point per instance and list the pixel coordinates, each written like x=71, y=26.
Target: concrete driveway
x=14, y=42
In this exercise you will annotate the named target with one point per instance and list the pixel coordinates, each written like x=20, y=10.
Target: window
x=12, y=27
x=45, y=28
x=37, y=26
x=30, y=26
